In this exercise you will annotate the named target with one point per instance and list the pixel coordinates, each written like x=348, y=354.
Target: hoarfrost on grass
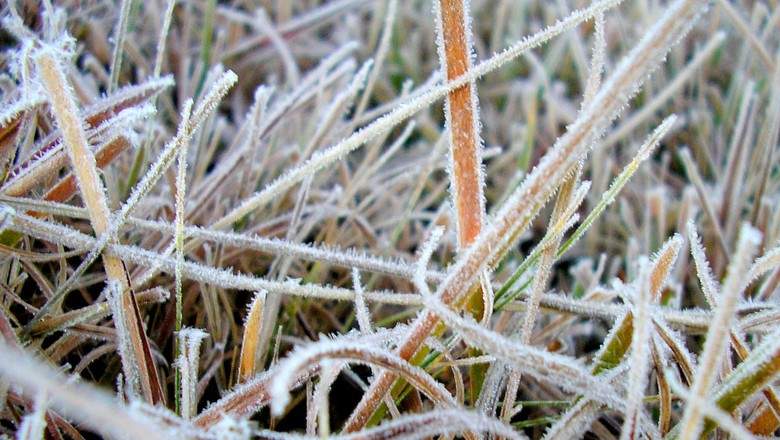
x=341, y=349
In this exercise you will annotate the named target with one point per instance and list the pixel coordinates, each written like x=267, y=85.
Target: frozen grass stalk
x=92, y=406
x=67, y=115
x=461, y=113
x=181, y=179
x=188, y=361
x=640, y=354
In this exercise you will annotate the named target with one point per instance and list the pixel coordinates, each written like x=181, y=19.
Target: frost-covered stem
x=124, y=345
x=361, y=309
x=248, y=397
x=717, y=335
x=121, y=33
x=166, y=25
x=298, y=362
x=461, y=114
x=569, y=199
x=187, y=363
x=382, y=50
x=640, y=355
x=562, y=211
x=181, y=174
x=460, y=108
x=443, y=423
x=330, y=372
x=71, y=125
x=33, y=425
x=525, y=202
x=88, y=405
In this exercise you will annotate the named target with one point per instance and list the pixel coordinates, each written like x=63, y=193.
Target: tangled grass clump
x=257, y=220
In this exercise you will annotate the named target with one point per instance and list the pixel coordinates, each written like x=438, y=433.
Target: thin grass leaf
x=695, y=178
x=737, y=161
x=130, y=368
x=11, y=126
x=49, y=65
x=597, y=60
x=619, y=182
x=755, y=43
x=380, y=56
x=184, y=408
x=664, y=390
x=119, y=43
x=94, y=312
x=763, y=265
x=321, y=407
x=766, y=153
x=264, y=25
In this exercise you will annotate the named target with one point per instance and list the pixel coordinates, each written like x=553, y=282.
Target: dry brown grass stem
x=93, y=193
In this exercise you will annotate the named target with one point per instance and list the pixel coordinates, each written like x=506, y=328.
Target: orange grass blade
x=252, y=327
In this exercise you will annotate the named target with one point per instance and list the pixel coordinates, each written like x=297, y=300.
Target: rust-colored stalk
x=466, y=175
x=462, y=119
